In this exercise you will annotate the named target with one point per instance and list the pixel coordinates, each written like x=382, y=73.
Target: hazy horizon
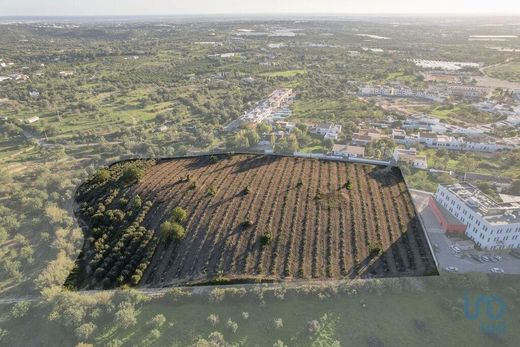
x=65, y=8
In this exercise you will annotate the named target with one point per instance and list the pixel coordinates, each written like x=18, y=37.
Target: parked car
x=451, y=269
x=455, y=249
x=476, y=257
x=493, y=258
x=499, y=257
x=485, y=258
x=497, y=270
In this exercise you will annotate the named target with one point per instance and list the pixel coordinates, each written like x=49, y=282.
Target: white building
x=328, y=130
x=348, y=151
x=440, y=141
x=425, y=123
x=400, y=92
x=471, y=131
x=491, y=225
x=470, y=92
x=401, y=138
x=32, y=120
x=410, y=157
x=66, y=73
x=488, y=145
x=264, y=110
x=365, y=136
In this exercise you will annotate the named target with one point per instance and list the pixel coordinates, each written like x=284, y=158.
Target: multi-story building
x=490, y=224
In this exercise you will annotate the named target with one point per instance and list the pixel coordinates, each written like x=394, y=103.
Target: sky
x=175, y=7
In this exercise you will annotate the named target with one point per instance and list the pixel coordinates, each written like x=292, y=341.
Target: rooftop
x=492, y=211
x=357, y=150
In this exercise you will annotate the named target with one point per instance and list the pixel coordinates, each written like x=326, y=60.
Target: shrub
x=131, y=174
x=313, y=327
x=217, y=295
x=157, y=321
x=233, y=326
x=300, y=183
x=247, y=223
x=213, y=159
x=266, y=237
x=20, y=309
x=135, y=279
x=213, y=319
x=212, y=191
x=102, y=176
x=375, y=249
x=3, y=234
x=179, y=214
x=137, y=202
x=348, y=185
x=172, y=231
x=154, y=334
x=125, y=316
x=84, y=331
x=278, y=323
x=178, y=294
x=246, y=190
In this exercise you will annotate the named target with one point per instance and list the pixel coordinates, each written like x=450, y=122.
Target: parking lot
x=462, y=260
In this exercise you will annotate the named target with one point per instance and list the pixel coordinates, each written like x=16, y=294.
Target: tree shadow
x=386, y=176
x=254, y=162
x=407, y=256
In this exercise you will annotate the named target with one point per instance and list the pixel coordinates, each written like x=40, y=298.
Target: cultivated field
x=324, y=219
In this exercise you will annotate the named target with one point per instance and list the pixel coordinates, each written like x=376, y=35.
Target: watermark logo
x=488, y=309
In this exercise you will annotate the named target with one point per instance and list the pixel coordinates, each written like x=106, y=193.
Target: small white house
x=410, y=157
x=32, y=120
x=326, y=128
x=66, y=73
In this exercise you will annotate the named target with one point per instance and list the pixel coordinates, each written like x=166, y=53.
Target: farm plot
x=261, y=218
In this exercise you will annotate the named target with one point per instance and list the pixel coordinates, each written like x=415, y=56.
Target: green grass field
x=388, y=316
x=508, y=71
x=286, y=73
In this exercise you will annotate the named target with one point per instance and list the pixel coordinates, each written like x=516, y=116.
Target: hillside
x=216, y=219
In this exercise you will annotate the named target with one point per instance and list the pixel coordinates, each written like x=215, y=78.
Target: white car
x=455, y=248
x=451, y=269
x=497, y=270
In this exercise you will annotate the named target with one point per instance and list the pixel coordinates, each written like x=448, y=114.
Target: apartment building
x=490, y=224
